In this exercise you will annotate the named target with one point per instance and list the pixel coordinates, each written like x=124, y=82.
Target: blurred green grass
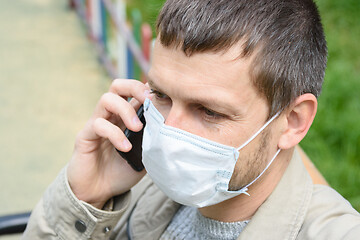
x=333, y=142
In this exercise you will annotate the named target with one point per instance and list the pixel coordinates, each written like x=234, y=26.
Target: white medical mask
x=189, y=169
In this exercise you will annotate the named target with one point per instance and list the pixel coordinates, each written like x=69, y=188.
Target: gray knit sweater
x=188, y=223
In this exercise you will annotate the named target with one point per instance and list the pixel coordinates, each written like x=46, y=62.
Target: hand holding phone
x=96, y=172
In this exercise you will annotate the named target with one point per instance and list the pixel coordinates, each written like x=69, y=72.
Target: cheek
x=230, y=133
x=223, y=133
x=252, y=160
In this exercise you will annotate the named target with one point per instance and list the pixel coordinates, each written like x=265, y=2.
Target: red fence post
x=146, y=36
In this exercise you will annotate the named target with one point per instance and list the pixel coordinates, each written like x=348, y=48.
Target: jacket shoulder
x=330, y=216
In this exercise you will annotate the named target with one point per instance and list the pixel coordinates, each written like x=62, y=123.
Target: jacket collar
x=282, y=214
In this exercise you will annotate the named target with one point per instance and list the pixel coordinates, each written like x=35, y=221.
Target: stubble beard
x=249, y=166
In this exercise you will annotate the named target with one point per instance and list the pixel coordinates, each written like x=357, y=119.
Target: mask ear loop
x=259, y=131
x=245, y=189
x=267, y=166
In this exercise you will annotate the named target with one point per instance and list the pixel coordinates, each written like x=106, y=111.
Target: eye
x=158, y=94
x=210, y=114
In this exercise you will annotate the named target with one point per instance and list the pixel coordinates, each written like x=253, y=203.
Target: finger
x=135, y=103
x=112, y=104
x=130, y=88
x=113, y=133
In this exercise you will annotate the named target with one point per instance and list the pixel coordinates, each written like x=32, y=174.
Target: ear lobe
x=299, y=117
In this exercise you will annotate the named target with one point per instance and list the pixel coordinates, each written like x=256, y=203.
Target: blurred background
x=51, y=78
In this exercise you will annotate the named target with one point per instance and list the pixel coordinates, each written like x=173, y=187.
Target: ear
x=298, y=119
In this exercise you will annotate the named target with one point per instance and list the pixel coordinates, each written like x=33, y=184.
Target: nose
x=177, y=117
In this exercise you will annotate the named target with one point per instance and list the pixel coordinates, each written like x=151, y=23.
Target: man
x=232, y=90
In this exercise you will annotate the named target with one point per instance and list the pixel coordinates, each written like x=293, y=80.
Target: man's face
x=211, y=95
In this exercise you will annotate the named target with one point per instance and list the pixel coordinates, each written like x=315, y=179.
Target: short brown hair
x=286, y=36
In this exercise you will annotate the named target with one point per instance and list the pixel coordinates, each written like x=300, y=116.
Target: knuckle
x=106, y=98
x=129, y=87
x=98, y=124
x=138, y=85
x=116, y=83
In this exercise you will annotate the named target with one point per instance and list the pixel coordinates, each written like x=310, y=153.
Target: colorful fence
x=123, y=43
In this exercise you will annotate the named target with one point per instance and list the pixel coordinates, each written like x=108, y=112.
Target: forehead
x=223, y=73
x=207, y=64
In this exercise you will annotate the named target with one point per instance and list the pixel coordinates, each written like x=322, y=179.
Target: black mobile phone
x=134, y=156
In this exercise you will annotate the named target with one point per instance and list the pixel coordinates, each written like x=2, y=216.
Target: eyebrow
x=214, y=105
x=210, y=103
x=152, y=84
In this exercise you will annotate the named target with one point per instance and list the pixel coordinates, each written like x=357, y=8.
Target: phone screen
x=134, y=156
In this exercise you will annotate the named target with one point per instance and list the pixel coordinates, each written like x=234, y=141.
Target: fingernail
x=137, y=121
x=126, y=144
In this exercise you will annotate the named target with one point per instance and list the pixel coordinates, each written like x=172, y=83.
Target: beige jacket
x=297, y=209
